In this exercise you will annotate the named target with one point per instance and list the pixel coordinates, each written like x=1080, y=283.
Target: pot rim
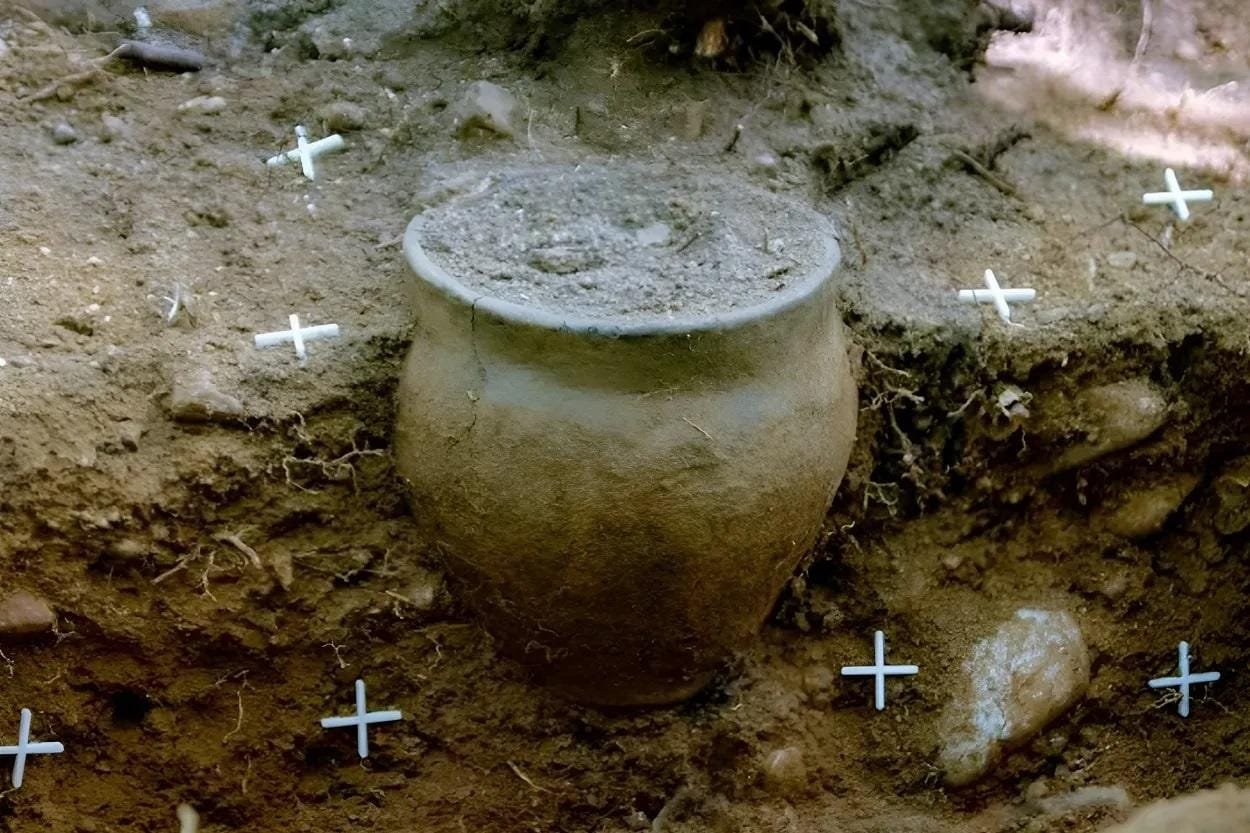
x=511, y=312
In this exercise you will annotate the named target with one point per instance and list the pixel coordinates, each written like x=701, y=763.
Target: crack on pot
x=481, y=370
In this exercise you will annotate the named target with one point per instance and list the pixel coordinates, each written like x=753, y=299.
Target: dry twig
x=971, y=164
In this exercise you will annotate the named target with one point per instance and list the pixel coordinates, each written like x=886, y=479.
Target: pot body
x=622, y=506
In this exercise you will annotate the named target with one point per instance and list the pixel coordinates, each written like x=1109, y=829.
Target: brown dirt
x=187, y=668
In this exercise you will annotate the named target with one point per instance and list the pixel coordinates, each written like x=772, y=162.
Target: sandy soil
x=221, y=581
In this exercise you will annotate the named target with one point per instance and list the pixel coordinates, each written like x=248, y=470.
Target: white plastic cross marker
x=305, y=151
x=298, y=336
x=361, y=720
x=998, y=296
x=1178, y=199
x=25, y=747
x=1185, y=679
x=880, y=670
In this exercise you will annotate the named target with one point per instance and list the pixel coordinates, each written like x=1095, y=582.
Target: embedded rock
x=784, y=771
x=343, y=116
x=1144, y=511
x=1224, y=810
x=22, y=614
x=196, y=399
x=115, y=129
x=1111, y=418
x=207, y=104
x=487, y=107
x=1232, y=495
x=64, y=134
x=1081, y=800
x=1029, y=672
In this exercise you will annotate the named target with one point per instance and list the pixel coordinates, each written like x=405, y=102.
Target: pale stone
x=1232, y=494
x=343, y=115
x=765, y=164
x=196, y=399
x=64, y=134
x=1144, y=511
x=127, y=550
x=784, y=771
x=485, y=106
x=1082, y=800
x=424, y=592
x=1225, y=810
x=1029, y=672
x=1114, y=417
x=208, y=104
x=115, y=128
x=22, y=614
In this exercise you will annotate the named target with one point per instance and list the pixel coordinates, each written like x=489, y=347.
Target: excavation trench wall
x=219, y=586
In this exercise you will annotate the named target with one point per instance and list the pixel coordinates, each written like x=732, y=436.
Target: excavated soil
x=224, y=540
x=646, y=244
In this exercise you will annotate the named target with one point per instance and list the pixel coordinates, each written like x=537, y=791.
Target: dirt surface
x=227, y=549
x=624, y=243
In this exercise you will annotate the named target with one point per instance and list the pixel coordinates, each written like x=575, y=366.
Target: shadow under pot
x=625, y=411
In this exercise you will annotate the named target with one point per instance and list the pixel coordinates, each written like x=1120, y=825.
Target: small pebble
x=64, y=134
x=784, y=771
x=22, y=614
x=1083, y=800
x=423, y=592
x=128, y=550
x=195, y=398
x=114, y=128
x=765, y=163
x=1036, y=790
x=129, y=433
x=208, y=104
x=343, y=116
x=485, y=107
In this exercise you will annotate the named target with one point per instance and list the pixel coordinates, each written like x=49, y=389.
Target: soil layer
x=222, y=536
